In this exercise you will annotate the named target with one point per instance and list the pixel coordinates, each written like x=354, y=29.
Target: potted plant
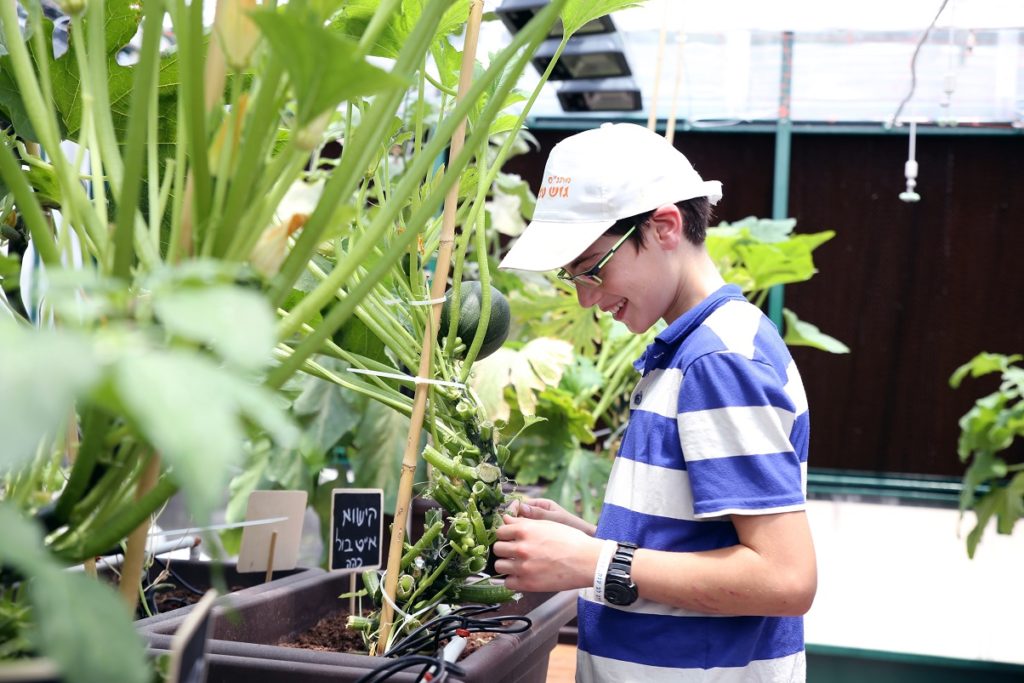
x=161, y=362
x=993, y=485
x=249, y=647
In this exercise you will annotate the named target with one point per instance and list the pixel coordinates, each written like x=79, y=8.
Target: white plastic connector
x=454, y=648
x=910, y=169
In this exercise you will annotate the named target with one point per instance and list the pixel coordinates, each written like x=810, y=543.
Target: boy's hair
x=696, y=214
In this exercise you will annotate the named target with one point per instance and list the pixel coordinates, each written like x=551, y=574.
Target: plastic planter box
x=200, y=574
x=242, y=647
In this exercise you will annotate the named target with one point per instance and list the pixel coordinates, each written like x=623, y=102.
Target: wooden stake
x=135, y=552
x=352, y=595
x=652, y=115
x=444, y=256
x=670, y=127
x=270, y=557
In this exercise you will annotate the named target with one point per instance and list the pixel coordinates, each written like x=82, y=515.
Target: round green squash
x=471, y=296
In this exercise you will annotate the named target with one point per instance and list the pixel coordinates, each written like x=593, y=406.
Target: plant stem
x=80, y=546
x=340, y=312
x=97, y=82
x=145, y=77
x=176, y=241
x=359, y=150
x=285, y=170
x=226, y=164
x=478, y=227
x=257, y=136
x=94, y=426
x=191, y=54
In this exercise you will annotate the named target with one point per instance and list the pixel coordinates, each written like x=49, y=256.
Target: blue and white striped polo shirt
x=718, y=427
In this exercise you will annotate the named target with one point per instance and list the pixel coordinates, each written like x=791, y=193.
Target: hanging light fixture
x=600, y=94
x=593, y=56
x=515, y=14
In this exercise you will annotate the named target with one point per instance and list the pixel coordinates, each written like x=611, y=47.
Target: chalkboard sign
x=356, y=528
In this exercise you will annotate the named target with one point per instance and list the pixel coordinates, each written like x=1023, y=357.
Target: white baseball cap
x=595, y=178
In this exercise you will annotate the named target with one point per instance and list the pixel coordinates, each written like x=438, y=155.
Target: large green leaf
x=121, y=22
x=12, y=107
x=1006, y=503
x=325, y=68
x=550, y=311
x=354, y=17
x=377, y=450
x=983, y=364
x=236, y=323
x=801, y=333
x=331, y=410
x=79, y=623
x=41, y=374
x=21, y=545
x=84, y=627
x=355, y=337
x=182, y=407
x=191, y=411
x=581, y=485
x=984, y=429
x=776, y=264
x=577, y=13
x=538, y=365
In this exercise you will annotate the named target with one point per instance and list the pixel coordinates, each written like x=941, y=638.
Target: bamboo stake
x=270, y=558
x=670, y=127
x=437, y=291
x=652, y=116
x=135, y=552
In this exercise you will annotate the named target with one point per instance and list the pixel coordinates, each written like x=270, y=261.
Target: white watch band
x=601, y=571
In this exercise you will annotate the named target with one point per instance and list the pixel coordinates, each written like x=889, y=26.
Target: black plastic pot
x=242, y=647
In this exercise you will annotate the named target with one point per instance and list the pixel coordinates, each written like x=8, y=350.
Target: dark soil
x=173, y=598
x=330, y=635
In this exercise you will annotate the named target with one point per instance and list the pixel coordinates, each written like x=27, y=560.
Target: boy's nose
x=587, y=296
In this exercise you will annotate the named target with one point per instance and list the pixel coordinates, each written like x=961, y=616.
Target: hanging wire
x=913, y=64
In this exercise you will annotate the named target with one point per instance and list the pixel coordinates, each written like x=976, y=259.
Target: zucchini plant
x=157, y=363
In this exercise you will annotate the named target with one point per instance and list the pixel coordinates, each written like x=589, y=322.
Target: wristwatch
x=619, y=588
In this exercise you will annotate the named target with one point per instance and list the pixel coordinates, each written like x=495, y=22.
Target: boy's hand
x=549, y=510
x=542, y=555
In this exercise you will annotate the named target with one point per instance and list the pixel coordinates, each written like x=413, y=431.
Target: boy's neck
x=697, y=281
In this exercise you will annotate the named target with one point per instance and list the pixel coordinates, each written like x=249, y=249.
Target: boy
x=702, y=562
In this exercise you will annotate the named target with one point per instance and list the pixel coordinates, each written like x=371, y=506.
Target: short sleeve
x=736, y=428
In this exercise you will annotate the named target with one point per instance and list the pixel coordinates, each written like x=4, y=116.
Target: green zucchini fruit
x=471, y=296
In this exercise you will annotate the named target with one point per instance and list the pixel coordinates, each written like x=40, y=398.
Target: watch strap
x=604, y=561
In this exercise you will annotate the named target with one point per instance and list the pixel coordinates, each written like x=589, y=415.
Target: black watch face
x=618, y=594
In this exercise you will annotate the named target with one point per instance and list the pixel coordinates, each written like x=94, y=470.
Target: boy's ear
x=667, y=224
